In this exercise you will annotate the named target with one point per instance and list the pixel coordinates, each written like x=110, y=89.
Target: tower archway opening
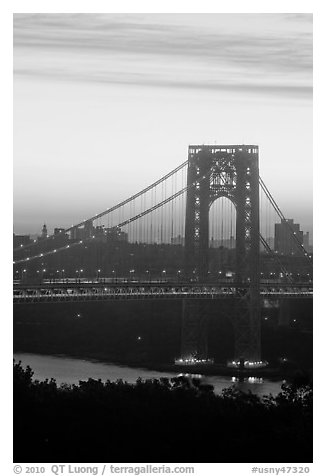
x=222, y=239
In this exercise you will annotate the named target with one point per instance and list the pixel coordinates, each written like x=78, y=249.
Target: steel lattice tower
x=230, y=171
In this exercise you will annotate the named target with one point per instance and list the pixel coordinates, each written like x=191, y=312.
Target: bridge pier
x=247, y=329
x=245, y=318
x=284, y=313
x=194, y=332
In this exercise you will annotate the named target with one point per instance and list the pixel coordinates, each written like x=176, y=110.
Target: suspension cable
x=115, y=207
x=120, y=225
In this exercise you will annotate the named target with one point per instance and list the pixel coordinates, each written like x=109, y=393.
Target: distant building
x=85, y=233
x=116, y=234
x=285, y=243
x=88, y=230
x=21, y=240
x=99, y=233
x=77, y=234
x=59, y=231
x=60, y=236
x=44, y=233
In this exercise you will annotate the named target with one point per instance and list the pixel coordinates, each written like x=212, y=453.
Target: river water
x=72, y=370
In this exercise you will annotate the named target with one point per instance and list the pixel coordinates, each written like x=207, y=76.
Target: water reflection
x=257, y=385
x=68, y=370
x=248, y=379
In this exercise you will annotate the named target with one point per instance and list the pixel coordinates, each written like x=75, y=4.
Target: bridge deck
x=90, y=291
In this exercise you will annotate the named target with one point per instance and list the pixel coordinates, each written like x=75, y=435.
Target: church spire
x=44, y=231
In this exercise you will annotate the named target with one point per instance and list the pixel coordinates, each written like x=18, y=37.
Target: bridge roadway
x=61, y=291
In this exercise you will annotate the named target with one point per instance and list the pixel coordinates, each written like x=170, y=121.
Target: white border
x=168, y=6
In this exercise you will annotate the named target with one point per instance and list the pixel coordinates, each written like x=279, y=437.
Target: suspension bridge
x=214, y=200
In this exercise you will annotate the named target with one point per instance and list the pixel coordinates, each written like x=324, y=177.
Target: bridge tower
x=230, y=171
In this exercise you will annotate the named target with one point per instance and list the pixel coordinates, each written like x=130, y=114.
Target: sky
x=105, y=104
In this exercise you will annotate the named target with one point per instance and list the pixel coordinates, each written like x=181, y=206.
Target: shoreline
x=212, y=369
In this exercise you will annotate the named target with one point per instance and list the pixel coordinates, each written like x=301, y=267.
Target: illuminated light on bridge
x=199, y=376
x=193, y=361
x=91, y=290
x=249, y=379
x=247, y=364
x=255, y=380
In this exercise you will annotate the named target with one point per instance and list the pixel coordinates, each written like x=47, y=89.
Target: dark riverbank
x=148, y=334
x=157, y=421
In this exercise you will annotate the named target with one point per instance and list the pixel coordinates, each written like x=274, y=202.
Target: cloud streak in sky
x=262, y=53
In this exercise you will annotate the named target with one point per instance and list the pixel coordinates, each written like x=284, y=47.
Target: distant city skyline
x=177, y=239
x=104, y=104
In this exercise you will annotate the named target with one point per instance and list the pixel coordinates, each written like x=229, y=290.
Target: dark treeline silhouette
x=177, y=420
